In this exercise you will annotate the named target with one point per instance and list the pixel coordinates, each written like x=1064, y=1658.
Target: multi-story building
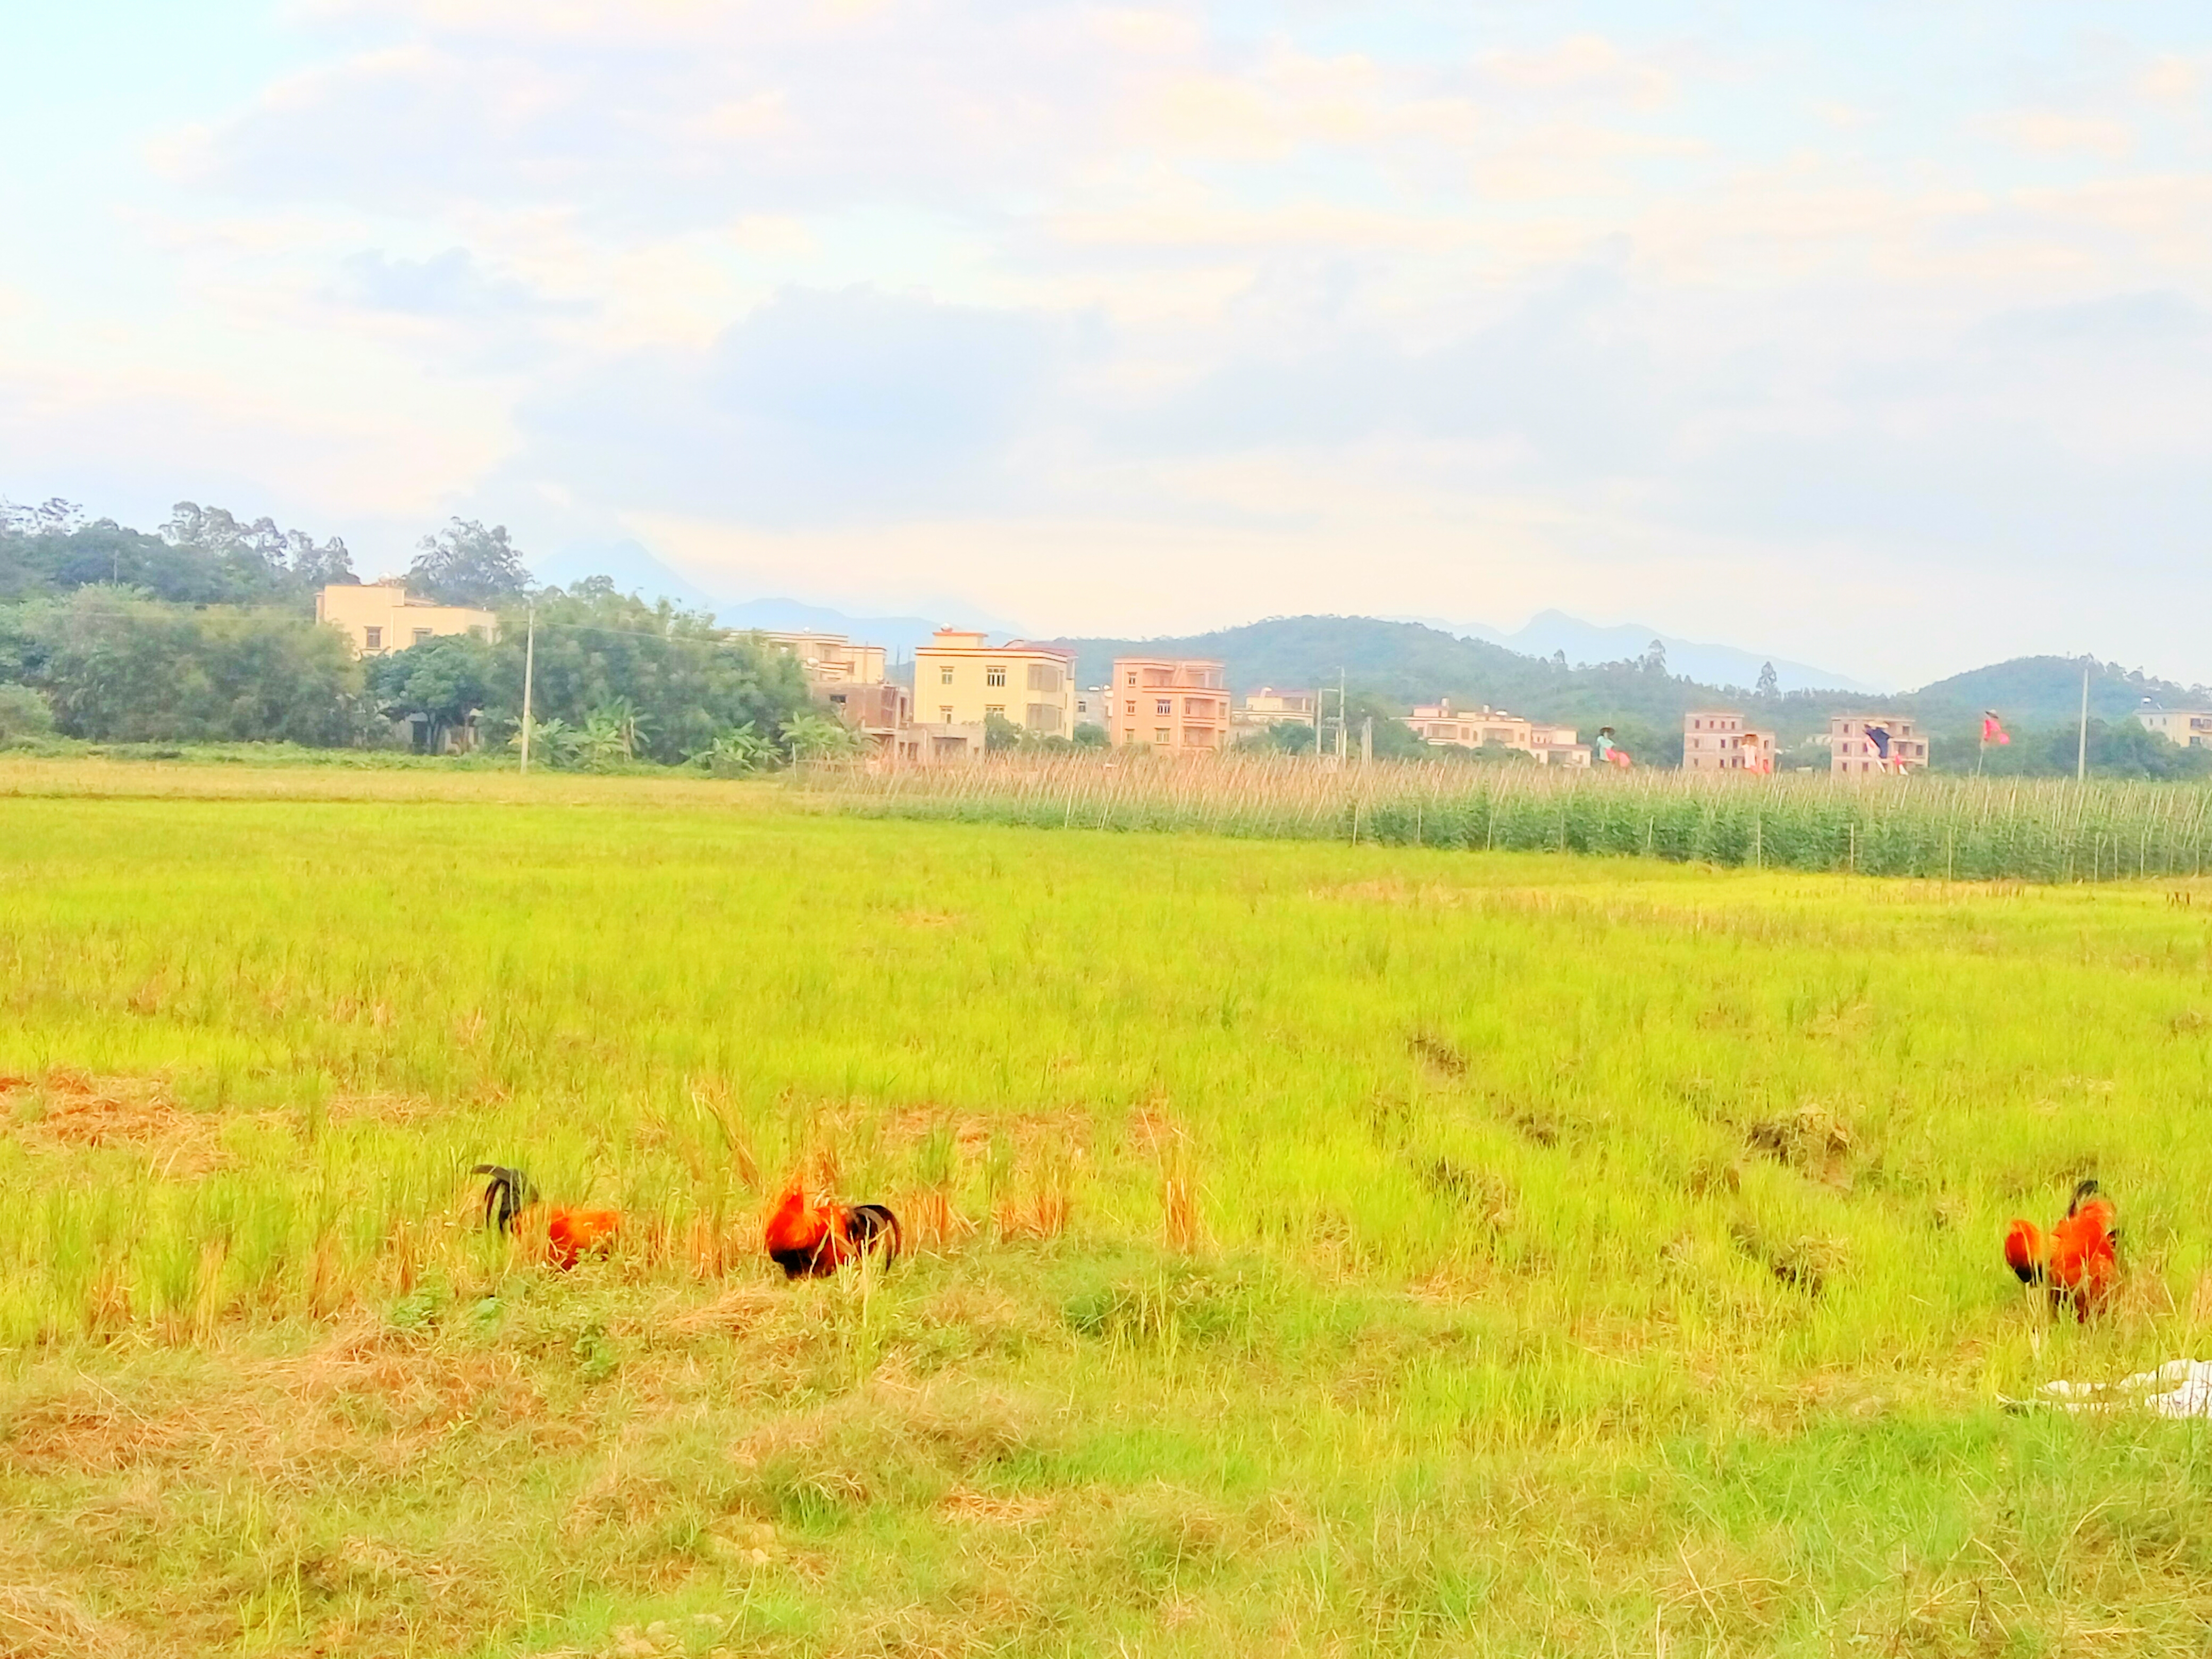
x=1855, y=742
x=1442, y=726
x=879, y=712
x=381, y=616
x=1093, y=706
x=1174, y=705
x=832, y=658
x=960, y=681
x=1268, y=707
x=1717, y=740
x=2189, y=728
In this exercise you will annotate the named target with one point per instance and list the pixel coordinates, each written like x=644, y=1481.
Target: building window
x=1161, y=735
x=991, y=708
x=995, y=674
x=372, y=639
x=944, y=675
x=421, y=635
x=1130, y=708
x=1043, y=676
x=1162, y=705
x=1133, y=677
x=945, y=713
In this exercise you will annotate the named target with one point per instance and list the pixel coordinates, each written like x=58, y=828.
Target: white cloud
x=2056, y=132
x=1540, y=303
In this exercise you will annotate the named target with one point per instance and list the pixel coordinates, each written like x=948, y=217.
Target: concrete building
x=2189, y=728
x=1854, y=745
x=879, y=712
x=1268, y=707
x=960, y=681
x=1442, y=726
x=1717, y=740
x=1093, y=706
x=941, y=745
x=832, y=658
x=1174, y=705
x=381, y=616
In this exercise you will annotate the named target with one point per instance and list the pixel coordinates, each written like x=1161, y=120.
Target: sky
x=1874, y=335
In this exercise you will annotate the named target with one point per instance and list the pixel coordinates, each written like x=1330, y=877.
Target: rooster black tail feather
x=874, y=1224
x=507, y=1194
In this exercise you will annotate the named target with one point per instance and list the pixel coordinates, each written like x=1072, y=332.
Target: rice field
x=1324, y=1246
x=1958, y=828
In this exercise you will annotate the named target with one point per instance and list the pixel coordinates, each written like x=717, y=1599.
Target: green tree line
x=205, y=633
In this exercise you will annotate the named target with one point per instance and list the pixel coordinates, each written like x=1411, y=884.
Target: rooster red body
x=564, y=1236
x=812, y=1240
x=2076, y=1261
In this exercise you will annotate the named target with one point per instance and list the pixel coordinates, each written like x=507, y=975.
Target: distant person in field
x=1609, y=753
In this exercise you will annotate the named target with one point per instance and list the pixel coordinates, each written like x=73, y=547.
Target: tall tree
x=260, y=551
x=466, y=563
x=682, y=682
x=441, y=682
x=119, y=667
x=1769, y=683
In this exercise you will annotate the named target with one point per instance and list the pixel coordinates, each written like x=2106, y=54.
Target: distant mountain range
x=1555, y=631
x=634, y=570
x=1603, y=679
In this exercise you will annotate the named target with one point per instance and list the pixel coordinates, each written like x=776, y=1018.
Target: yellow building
x=381, y=616
x=832, y=658
x=1175, y=705
x=960, y=681
x=2189, y=728
x=1268, y=707
x=1717, y=740
x=1442, y=726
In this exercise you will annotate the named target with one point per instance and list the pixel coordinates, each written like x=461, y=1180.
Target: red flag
x=1993, y=729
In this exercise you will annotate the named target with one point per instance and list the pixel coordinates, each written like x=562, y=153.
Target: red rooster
x=812, y=1240
x=2076, y=1261
x=511, y=1204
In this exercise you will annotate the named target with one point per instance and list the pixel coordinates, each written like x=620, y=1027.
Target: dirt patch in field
x=1812, y=1140
x=36, y=1622
x=983, y=1509
x=1389, y=890
x=974, y=1132
x=368, y=1397
x=82, y=1112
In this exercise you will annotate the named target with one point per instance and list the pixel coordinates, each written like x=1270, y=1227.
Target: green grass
x=1598, y=1255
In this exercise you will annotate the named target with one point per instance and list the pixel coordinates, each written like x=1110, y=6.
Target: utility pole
x=1366, y=739
x=1342, y=719
x=2081, y=750
x=529, y=673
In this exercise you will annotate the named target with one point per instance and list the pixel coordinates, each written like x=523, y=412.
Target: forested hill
x=1407, y=662
x=2047, y=691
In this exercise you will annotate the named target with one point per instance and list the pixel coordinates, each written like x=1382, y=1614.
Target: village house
x=1268, y=707
x=1173, y=705
x=2191, y=728
x=1443, y=727
x=1855, y=742
x=958, y=680
x=1717, y=740
x=852, y=679
x=381, y=616
x=832, y=658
